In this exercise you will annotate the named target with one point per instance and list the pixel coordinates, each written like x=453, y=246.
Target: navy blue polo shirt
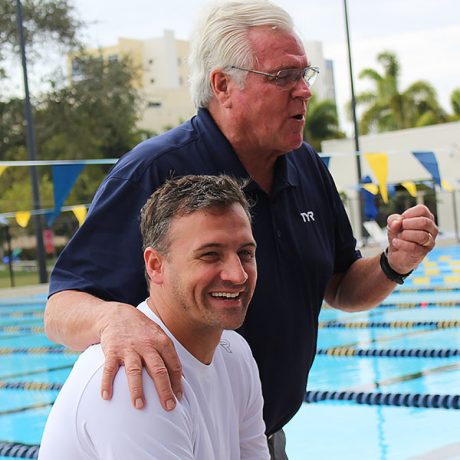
x=303, y=236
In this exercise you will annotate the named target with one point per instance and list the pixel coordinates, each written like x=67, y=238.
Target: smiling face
x=270, y=119
x=207, y=278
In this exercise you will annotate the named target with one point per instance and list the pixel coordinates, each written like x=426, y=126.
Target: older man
x=199, y=257
x=251, y=81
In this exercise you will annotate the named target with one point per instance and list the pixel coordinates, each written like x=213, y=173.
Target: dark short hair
x=181, y=196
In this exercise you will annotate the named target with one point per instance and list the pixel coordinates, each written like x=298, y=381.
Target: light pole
x=32, y=151
x=355, y=123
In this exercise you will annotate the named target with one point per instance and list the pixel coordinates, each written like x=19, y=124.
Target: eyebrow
x=251, y=244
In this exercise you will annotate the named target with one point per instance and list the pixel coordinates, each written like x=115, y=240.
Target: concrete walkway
x=23, y=291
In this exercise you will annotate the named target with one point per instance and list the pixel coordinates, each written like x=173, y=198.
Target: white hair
x=221, y=40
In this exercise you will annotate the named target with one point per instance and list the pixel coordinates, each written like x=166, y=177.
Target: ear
x=154, y=265
x=221, y=85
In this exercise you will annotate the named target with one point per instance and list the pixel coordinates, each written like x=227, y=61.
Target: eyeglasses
x=286, y=78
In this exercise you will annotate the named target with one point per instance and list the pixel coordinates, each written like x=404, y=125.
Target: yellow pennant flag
x=80, y=213
x=372, y=188
x=379, y=165
x=410, y=187
x=447, y=186
x=22, y=218
x=2, y=169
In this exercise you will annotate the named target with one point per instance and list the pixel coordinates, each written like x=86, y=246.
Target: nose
x=233, y=271
x=301, y=89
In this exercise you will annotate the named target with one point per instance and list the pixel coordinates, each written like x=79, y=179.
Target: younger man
x=199, y=255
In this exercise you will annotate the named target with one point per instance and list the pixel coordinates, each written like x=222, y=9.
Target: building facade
x=163, y=81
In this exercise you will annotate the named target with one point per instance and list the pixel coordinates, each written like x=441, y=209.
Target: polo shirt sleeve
x=104, y=257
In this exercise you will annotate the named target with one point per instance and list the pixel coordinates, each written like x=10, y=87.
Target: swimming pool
x=385, y=384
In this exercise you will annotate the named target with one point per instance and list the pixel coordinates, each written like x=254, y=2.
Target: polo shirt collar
x=226, y=160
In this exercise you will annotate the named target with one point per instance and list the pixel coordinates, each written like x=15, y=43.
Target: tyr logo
x=308, y=216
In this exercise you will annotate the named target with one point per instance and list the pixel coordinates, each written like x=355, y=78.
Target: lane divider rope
x=396, y=305
x=420, y=305
x=22, y=314
x=390, y=324
x=31, y=386
x=16, y=450
x=429, y=401
x=39, y=350
x=390, y=352
x=24, y=330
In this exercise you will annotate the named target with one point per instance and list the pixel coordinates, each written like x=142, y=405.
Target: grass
x=21, y=278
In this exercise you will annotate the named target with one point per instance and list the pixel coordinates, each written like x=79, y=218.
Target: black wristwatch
x=389, y=272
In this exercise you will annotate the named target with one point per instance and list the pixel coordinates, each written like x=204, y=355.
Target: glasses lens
x=310, y=76
x=285, y=77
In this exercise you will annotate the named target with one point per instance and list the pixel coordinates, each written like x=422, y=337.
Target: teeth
x=226, y=295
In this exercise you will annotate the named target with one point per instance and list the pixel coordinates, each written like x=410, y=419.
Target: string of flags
x=65, y=174
x=378, y=164
x=64, y=178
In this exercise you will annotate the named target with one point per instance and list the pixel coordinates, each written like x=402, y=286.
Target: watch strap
x=389, y=272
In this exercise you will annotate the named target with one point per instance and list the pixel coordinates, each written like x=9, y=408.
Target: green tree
x=322, y=123
x=46, y=22
x=455, y=103
x=387, y=108
x=94, y=117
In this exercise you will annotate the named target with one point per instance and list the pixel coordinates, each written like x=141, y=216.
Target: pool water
x=371, y=392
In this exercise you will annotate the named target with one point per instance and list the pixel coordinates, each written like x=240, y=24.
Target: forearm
x=75, y=319
x=362, y=287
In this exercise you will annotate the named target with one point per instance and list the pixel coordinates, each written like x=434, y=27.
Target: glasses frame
x=276, y=77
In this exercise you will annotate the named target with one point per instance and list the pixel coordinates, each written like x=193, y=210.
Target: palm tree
x=387, y=108
x=322, y=123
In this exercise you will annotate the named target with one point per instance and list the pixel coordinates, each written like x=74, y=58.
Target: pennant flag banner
x=410, y=187
x=447, y=186
x=428, y=161
x=80, y=213
x=64, y=177
x=23, y=218
x=2, y=169
x=370, y=209
x=378, y=163
x=371, y=188
x=326, y=160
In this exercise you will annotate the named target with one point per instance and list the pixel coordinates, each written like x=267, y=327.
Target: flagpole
x=32, y=151
x=355, y=125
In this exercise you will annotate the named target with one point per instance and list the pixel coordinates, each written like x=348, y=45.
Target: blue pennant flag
x=429, y=162
x=326, y=159
x=64, y=177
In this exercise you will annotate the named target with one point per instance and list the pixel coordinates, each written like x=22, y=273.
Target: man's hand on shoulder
x=411, y=236
x=131, y=339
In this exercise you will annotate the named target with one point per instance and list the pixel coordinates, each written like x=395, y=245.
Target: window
x=113, y=58
x=153, y=104
x=76, y=67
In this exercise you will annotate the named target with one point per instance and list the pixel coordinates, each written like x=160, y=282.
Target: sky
x=424, y=34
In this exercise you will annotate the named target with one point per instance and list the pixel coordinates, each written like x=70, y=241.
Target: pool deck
x=20, y=291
